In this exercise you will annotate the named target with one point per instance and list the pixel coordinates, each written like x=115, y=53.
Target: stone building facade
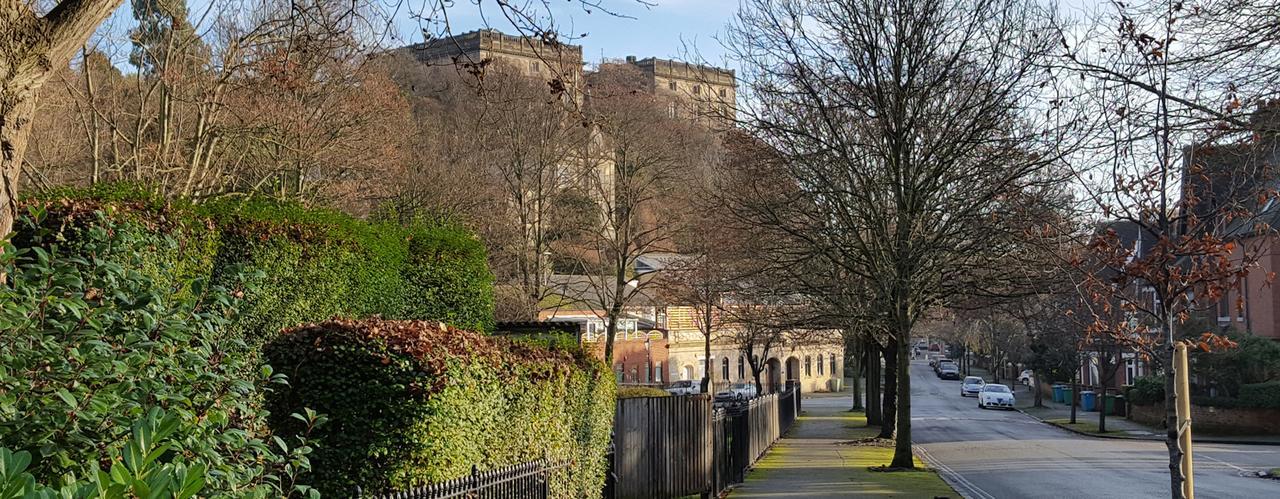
x=704, y=93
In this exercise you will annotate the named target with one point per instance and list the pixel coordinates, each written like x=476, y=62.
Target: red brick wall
x=630, y=355
x=1216, y=419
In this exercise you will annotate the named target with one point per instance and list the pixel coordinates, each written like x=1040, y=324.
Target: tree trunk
x=902, y=455
x=31, y=49
x=1171, y=422
x=1035, y=380
x=855, y=367
x=889, y=406
x=15, y=132
x=1102, y=397
x=871, y=352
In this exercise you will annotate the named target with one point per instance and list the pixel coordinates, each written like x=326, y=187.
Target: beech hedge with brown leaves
x=417, y=402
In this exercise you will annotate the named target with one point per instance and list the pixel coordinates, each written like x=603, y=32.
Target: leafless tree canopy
x=915, y=139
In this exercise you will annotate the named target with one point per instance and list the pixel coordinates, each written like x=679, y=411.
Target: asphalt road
x=1007, y=454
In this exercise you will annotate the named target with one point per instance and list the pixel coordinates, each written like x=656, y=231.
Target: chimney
x=631, y=59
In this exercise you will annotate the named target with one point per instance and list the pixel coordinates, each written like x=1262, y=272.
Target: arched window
x=742, y=367
x=819, y=364
x=724, y=368
x=833, y=364
x=808, y=366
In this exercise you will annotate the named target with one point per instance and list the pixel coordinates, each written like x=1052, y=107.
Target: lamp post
x=648, y=360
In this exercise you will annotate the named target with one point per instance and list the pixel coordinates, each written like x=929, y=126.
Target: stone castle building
x=531, y=57
x=704, y=93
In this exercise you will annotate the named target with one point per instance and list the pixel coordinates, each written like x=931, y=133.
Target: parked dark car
x=937, y=364
x=949, y=371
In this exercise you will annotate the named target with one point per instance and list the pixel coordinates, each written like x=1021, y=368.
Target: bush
x=1147, y=390
x=631, y=392
x=1254, y=359
x=1261, y=395
x=308, y=264
x=90, y=343
x=411, y=403
x=148, y=471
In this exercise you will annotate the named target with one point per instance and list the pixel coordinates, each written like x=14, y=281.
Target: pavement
x=814, y=460
x=998, y=454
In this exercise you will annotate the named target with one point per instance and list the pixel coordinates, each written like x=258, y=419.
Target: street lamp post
x=648, y=360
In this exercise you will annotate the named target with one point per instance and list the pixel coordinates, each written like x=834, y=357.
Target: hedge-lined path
x=815, y=460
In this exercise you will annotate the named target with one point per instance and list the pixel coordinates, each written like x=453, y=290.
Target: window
x=595, y=329
x=724, y=368
x=742, y=367
x=671, y=110
x=535, y=67
x=696, y=89
x=634, y=377
x=657, y=373
x=671, y=85
x=808, y=366
x=648, y=372
x=1130, y=370
x=723, y=94
x=819, y=365
x=833, y=364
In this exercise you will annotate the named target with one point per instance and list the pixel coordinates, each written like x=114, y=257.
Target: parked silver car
x=737, y=391
x=971, y=386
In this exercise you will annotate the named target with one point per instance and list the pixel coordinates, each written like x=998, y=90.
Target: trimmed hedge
x=411, y=403
x=1146, y=390
x=1261, y=395
x=631, y=392
x=310, y=264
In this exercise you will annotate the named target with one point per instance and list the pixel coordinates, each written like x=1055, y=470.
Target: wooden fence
x=679, y=446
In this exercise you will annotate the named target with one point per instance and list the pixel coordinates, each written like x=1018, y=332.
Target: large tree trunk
x=902, y=455
x=15, y=132
x=32, y=48
x=889, y=407
x=855, y=367
x=871, y=351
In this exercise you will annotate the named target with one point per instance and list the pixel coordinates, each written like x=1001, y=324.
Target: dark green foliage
x=143, y=468
x=411, y=403
x=91, y=343
x=1254, y=359
x=309, y=264
x=1261, y=395
x=1147, y=390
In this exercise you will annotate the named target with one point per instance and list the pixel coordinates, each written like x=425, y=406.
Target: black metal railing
x=530, y=480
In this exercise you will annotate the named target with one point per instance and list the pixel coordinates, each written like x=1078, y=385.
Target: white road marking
x=962, y=485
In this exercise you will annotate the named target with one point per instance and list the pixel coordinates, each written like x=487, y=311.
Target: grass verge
x=807, y=463
x=1080, y=425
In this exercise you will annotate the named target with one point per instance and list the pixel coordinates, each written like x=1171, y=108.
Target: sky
x=673, y=29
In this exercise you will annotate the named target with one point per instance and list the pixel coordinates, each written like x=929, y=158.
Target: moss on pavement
x=824, y=456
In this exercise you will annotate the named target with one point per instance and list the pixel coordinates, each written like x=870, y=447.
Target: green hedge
x=314, y=264
x=1147, y=390
x=411, y=403
x=1261, y=395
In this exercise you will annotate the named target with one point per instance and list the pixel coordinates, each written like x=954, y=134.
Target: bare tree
x=907, y=128
x=641, y=152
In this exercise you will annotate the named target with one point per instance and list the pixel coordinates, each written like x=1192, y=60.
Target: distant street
x=1006, y=454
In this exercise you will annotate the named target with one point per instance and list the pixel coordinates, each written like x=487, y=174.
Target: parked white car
x=993, y=395
x=1026, y=377
x=685, y=387
x=737, y=391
